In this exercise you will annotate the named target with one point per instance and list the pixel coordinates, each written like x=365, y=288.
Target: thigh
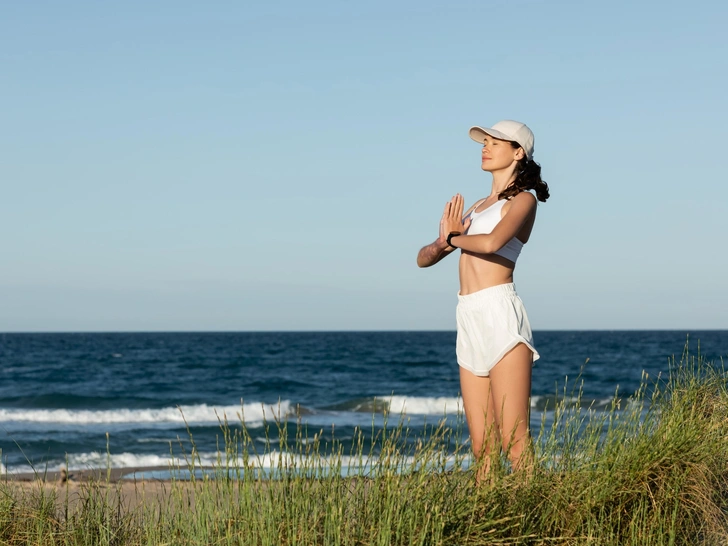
x=511, y=391
x=478, y=406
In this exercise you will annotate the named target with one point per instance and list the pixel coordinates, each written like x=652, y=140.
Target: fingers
x=466, y=224
x=452, y=216
x=456, y=208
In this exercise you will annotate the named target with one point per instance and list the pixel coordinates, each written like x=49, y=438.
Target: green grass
x=652, y=470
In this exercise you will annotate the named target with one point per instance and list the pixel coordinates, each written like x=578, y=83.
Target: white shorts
x=491, y=322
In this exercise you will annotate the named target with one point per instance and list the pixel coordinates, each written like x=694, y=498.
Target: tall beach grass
x=650, y=470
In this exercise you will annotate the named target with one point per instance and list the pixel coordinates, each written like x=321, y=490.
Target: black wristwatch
x=450, y=236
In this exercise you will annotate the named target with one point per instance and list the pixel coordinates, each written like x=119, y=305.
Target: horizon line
x=324, y=331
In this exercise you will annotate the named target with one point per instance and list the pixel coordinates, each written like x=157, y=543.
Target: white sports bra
x=484, y=222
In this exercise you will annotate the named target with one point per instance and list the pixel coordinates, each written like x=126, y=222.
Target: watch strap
x=450, y=236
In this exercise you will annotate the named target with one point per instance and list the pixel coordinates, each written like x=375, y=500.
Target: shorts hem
x=500, y=355
x=472, y=371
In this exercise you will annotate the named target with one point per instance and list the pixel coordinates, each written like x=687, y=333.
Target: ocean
x=87, y=400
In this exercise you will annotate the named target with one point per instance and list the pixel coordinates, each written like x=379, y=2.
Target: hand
x=452, y=219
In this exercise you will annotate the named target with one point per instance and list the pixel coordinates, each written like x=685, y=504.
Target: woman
x=495, y=349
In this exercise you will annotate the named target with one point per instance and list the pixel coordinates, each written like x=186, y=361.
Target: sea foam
x=268, y=461
x=422, y=405
x=194, y=415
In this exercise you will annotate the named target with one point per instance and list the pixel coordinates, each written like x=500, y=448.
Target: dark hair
x=528, y=178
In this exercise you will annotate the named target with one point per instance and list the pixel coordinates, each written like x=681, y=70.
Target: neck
x=502, y=179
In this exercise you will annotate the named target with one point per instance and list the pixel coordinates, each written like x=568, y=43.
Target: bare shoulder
x=523, y=203
x=525, y=198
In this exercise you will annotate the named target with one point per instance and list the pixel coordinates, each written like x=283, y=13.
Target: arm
x=434, y=252
x=522, y=206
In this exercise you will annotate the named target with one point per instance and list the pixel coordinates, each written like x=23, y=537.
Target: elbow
x=489, y=246
x=423, y=260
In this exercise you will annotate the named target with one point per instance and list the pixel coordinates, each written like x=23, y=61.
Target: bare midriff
x=480, y=271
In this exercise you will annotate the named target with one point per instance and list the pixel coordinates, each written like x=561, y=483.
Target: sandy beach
x=130, y=492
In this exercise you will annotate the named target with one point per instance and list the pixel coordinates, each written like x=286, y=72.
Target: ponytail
x=528, y=178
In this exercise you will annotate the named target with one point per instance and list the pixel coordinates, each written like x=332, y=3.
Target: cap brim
x=478, y=134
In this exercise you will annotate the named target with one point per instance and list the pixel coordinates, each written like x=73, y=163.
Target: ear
x=520, y=154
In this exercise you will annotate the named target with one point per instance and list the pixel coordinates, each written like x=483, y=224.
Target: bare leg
x=510, y=383
x=480, y=415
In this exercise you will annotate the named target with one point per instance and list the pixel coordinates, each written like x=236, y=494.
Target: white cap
x=514, y=131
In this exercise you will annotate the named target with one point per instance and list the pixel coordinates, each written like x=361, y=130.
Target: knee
x=484, y=446
x=519, y=450
x=481, y=446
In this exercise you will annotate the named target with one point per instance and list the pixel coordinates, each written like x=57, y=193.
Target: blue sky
x=277, y=165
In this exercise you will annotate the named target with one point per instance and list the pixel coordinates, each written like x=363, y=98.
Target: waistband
x=488, y=294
